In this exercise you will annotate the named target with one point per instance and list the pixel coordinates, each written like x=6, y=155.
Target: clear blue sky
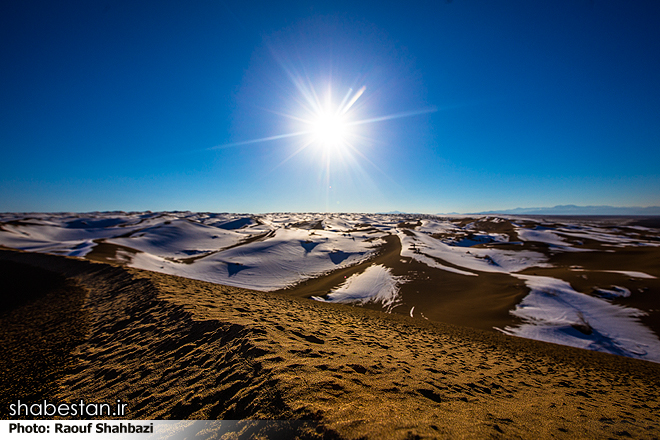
x=112, y=105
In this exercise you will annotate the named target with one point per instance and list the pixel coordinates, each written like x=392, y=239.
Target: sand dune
x=176, y=348
x=563, y=280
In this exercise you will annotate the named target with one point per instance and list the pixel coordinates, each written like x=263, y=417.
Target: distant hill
x=580, y=210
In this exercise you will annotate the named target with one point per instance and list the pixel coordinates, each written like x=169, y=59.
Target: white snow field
x=276, y=251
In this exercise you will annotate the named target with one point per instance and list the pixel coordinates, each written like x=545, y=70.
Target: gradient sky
x=479, y=105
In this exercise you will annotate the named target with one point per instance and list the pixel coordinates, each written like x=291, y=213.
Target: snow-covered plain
x=277, y=251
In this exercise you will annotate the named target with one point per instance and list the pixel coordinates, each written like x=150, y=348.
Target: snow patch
x=375, y=284
x=554, y=312
x=613, y=292
x=632, y=274
x=420, y=247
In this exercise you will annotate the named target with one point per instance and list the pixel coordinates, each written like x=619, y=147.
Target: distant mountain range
x=580, y=210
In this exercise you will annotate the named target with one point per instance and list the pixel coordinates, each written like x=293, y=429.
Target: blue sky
x=479, y=105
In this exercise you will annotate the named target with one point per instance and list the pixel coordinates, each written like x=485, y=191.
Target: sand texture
x=176, y=348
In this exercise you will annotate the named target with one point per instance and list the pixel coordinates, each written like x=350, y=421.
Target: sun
x=329, y=130
x=329, y=124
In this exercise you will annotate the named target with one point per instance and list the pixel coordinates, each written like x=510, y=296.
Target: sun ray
x=321, y=114
x=256, y=141
x=355, y=98
x=394, y=116
x=292, y=117
x=350, y=90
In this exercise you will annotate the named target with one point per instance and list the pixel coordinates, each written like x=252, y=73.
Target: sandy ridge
x=179, y=348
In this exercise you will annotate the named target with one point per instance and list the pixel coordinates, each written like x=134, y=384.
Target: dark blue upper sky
x=474, y=105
